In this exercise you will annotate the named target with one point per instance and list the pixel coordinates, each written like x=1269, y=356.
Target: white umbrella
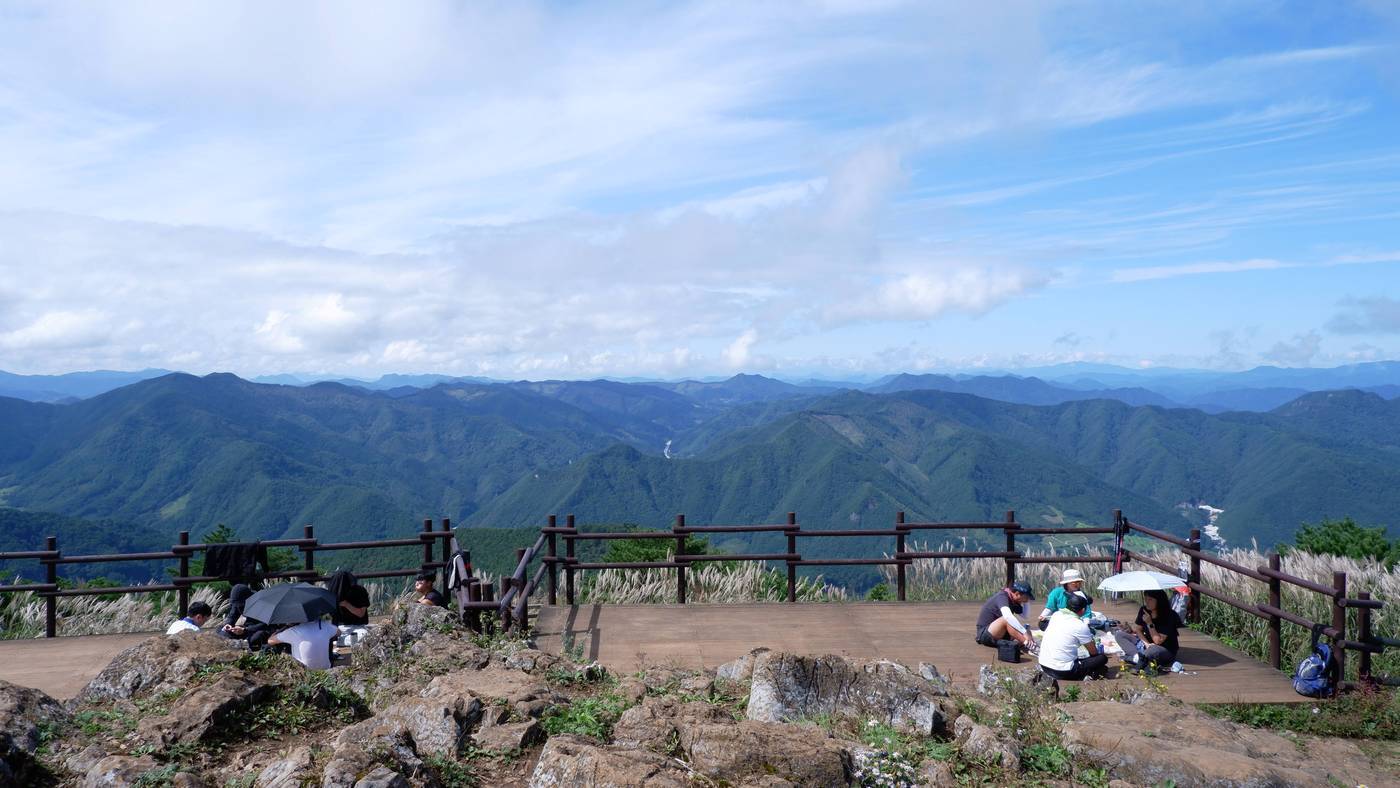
x=1140, y=581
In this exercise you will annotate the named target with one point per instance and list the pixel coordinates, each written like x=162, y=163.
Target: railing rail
x=51, y=558
x=1272, y=612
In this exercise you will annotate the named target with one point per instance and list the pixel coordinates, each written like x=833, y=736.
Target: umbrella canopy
x=292, y=603
x=1140, y=581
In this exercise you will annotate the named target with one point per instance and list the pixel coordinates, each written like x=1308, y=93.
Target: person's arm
x=357, y=611
x=1011, y=620
x=274, y=640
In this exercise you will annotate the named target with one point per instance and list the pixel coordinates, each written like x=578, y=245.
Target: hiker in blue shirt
x=1071, y=582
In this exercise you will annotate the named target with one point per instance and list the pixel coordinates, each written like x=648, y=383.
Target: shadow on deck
x=623, y=637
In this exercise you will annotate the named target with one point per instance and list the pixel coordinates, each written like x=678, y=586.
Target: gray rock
x=504, y=737
x=382, y=777
x=289, y=772
x=23, y=714
x=1156, y=741
x=416, y=621
x=196, y=714
x=984, y=744
x=741, y=669
x=118, y=770
x=161, y=663
x=532, y=661
x=788, y=687
x=1001, y=681
x=434, y=726
x=731, y=752
x=574, y=762
x=656, y=722
x=930, y=674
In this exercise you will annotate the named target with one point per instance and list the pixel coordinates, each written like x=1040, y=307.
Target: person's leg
x=1000, y=630
x=1159, y=655
x=1095, y=666
x=985, y=638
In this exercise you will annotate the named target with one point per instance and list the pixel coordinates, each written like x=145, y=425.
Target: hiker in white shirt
x=310, y=643
x=1059, y=649
x=199, y=613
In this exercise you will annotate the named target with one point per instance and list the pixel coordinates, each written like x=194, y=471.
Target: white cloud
x=737, y=354
x=59, y=330
x=1299, y=351
x=1192, y=269
x=928, y=294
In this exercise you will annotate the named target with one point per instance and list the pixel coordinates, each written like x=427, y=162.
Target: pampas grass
x=712, y=583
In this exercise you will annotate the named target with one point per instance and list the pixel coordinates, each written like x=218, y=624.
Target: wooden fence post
x=446, y=548
x=1275, y=623
x=51, y=602
x=1339, y=622
x=474, y=595
x=183, y=594
x=1193, y=604
x=680, y=565
x=569, y=560
x=551, y=552
x=792, y=550
x=1010, y=547
x=427, y=547
x=308, y=553
x=899, y=547
x=1363, y=624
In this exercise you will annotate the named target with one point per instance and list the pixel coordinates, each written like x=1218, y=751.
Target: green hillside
x=22, y=531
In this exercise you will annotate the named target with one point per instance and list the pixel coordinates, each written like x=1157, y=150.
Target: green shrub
x=593, y=716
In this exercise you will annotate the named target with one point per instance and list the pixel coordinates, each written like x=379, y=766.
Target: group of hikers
x=1149, y=643
x=309, y=642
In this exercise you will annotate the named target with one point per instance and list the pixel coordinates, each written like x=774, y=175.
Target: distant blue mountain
x=71, y=385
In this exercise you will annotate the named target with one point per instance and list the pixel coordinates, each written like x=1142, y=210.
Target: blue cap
x=1022, y=587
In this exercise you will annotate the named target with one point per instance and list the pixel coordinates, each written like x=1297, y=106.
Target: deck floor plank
x=623, y=637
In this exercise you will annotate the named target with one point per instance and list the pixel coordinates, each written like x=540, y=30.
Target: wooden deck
x=625, y=636
x=622, y=637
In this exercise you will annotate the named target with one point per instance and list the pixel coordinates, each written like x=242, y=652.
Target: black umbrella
x=293, y=603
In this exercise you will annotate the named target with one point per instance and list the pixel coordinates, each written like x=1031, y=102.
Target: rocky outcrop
x=25, y=714
x=787, y=687
x=291, y=771
x=576, y=762
x=194, y=715
x=1155, y=741
x=802, y=755
x=159, y=664
x=118, y=770
x=656, y=723
x=999, y=682
x=985, y=745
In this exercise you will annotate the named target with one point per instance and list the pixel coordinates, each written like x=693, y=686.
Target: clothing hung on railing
x=236, y=562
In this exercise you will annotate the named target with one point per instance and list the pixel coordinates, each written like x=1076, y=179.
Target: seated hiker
x=427, y=595
x=1071, y=583
x=352, y=599
x=238, y=626
x=310, y=642
x=998, y=617
x=1153, y=640
x=1059, y=650
x=199, y=613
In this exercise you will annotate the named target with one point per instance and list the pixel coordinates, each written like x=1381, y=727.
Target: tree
x=1345, y=538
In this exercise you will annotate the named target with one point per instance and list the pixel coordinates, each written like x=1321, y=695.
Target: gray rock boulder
x=657, y=721
x=291, y=771
x=433, y=726
x=734, y=751
x=741, y=669
x=162, y=663
x=998, y=682
x=382, y=777
x=1154, y=741
x=983, y=743
x=24, y=713
x=118, y=770
x=575, y=762
x=196, y=714
x=788, y=687
x=508, y=736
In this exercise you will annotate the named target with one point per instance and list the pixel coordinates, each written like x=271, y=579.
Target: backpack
x=1008, y=651
x=1316, y=676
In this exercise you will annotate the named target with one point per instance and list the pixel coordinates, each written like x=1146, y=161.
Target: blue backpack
x=1316, y=676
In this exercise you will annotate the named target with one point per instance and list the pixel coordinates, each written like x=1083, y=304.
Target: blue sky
x=572, y=190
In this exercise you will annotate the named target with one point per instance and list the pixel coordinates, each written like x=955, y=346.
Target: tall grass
x=22, y=612
x=975, y=579
x=714, y=583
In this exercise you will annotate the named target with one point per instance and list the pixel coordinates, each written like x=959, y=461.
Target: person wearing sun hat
x=1071, y=583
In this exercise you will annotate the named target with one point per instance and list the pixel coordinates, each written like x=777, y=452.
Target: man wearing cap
x=1059, y=650
x=998, y=619
x=1071, y=584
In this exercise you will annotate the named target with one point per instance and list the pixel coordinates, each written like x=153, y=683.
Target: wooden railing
x=51, y=558
x=1366, y=643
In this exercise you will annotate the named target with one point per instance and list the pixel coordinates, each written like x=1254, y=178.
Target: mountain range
x=179, y=452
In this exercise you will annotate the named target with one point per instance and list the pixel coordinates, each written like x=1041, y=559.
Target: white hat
x=1070, y=576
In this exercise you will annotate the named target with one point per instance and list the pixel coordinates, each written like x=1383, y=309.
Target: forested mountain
x=180, y=452
x=1010, y=388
